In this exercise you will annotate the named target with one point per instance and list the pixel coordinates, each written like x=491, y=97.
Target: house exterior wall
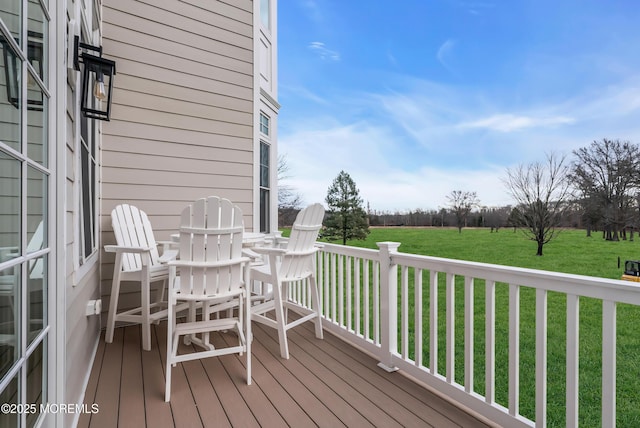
x=187, y=99
x=182, y=118
x=81, y=275
x=183, y=115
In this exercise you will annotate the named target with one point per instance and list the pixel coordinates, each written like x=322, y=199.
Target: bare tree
x=541, y=191
x=461, y=203
x=607, y=173
x=289, y=200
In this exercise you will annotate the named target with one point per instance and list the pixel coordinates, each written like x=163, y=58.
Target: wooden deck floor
x=325, y=383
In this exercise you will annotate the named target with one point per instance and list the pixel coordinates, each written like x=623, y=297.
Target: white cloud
x=323, y=52
x=511, y=122
x=312, y=10
x=410, y=147
x=444, y=53
x=371, y=155
x=303, y=93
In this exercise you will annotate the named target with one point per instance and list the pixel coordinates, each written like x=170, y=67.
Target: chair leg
x=206, y=315
x=113, y=301
x=161, y=291
x=169, y=356
x=146, y=324
x=247, y=334
x=159, y=298
x=281, y=321
x=191, y=317
x=315, y=302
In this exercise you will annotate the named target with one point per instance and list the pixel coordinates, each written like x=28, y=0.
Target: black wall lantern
x=97, y=81
x=13, y=72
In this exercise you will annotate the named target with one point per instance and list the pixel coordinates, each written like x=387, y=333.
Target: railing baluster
x=573, y=348
x=376, y=302
x=327, y=285
x=541, y=357
x=490, y=342
x=608, y=364
x=468, y=333
x=334, y=285
x=451, y=326
x=320, y=278
x=367, y=300
x=404, y=302
x=514, y=350
x=417, y=288
x=349, y=302
x=357, y=286
x=341, y=290
x=433, y=309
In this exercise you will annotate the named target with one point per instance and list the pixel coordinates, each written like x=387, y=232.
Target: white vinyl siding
x=182, y=121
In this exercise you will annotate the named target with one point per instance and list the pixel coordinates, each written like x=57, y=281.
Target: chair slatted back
x=211, y=231
x=298, y=261
x=132, y=228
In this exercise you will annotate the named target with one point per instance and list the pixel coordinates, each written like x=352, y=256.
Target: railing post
x=388, y=305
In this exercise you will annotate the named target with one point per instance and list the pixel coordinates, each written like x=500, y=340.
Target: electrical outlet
x=94, y=307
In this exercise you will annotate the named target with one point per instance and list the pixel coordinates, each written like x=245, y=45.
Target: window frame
x=265, y=124
x=86, y=141
x=33, y=169
x=264, y=188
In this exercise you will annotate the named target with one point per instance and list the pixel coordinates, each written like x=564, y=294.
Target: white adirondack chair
x=137, y=259
x=213, y=275
x=286, y=266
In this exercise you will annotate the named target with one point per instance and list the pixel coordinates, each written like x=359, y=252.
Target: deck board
x=131, y=412
x=325, y=383
x=411, y=396
x=157, y=412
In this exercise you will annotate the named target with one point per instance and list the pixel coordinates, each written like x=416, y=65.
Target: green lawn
x=571, y=252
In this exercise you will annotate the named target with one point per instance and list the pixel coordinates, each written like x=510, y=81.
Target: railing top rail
x=580, y=285
x=345, y=250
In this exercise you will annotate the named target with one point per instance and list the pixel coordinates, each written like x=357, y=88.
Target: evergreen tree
x=346, y=217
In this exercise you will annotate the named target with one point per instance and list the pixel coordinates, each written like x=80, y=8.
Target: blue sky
x=416, y=98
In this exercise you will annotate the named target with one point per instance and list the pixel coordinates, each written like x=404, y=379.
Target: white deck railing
x=377, y=300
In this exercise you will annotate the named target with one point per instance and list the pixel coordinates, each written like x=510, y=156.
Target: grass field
x=571, y=252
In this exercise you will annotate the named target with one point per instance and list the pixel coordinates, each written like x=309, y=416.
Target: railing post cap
x=389, y=246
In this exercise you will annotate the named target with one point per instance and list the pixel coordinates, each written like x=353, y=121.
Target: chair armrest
x=251, y=254
x=168, y=245
x=269, y=250
x=123, y=249
x=168, y=255
x=185, y=263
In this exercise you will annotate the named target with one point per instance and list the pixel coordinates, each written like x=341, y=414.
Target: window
x=265, y=15
x=265, y=206
x=88, y=214
x=25, y=178
x=264, y=124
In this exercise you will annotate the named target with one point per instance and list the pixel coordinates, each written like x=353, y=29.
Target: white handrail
x=362, y=291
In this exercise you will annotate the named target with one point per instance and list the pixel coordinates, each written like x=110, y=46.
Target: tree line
x=598, y=189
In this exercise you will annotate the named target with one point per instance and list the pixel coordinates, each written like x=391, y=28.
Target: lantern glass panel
x=10, y=95
x=97, y=85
